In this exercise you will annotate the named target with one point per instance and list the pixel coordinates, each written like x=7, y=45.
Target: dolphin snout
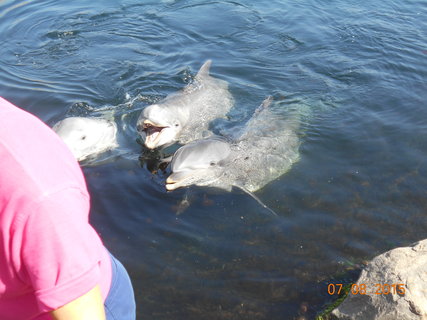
x=176, y=180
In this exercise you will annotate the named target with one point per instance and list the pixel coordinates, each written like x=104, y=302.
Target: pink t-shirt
x=49, y=254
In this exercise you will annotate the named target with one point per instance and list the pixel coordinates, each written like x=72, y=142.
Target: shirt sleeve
x=61, y=252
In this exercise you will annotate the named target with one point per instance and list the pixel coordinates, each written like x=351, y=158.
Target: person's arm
x=87, y=307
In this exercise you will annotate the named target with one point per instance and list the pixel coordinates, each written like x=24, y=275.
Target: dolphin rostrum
x=184, y=116
x=263, y=151
x=87, y=137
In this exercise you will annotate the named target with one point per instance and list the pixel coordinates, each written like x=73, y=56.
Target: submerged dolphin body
x=185, y=116
x=87, y=137
x=265, y=149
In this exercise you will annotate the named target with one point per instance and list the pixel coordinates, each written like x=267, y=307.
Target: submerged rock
x=396, y=287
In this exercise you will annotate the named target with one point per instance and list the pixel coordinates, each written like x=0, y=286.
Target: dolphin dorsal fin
x=204, y=70
x=264, y=105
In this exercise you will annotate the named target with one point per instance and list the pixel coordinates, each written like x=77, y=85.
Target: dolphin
x=184, y=116
x=87, y=137
x=263, y=150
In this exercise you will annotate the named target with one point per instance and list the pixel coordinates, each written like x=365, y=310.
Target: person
x=53, y=264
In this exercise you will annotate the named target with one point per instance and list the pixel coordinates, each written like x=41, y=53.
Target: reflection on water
x=360, y=185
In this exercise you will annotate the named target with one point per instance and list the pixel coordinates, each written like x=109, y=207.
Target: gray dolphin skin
x=87, y=137
x=264, y=150
x=184, y=116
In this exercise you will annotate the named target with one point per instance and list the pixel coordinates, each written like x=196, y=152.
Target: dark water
x=359, y=189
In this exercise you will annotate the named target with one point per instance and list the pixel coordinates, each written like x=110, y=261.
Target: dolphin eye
x=83, y=137
x=212, y=164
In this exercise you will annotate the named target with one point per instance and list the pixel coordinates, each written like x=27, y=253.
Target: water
x=358, y=190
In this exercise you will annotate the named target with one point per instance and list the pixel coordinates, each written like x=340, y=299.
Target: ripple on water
x=358, y=189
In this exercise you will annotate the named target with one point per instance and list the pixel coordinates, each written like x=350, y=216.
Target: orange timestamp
x=362, y=288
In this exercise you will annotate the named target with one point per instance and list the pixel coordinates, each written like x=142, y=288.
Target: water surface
x=358, y=190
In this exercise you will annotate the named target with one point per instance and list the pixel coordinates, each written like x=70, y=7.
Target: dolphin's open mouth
x=150, y=128
x=152, y=132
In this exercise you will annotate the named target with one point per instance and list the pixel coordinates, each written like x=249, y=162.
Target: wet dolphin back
x=208, y=99
x=266, y=149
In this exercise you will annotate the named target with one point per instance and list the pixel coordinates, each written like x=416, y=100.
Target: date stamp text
x=363, y=288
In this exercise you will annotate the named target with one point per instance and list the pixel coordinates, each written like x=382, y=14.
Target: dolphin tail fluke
x=204, y=70
x=271, y=211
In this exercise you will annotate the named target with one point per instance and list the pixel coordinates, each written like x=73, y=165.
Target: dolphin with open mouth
x=264, y=150
x=87, y=137
x=184, y=116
